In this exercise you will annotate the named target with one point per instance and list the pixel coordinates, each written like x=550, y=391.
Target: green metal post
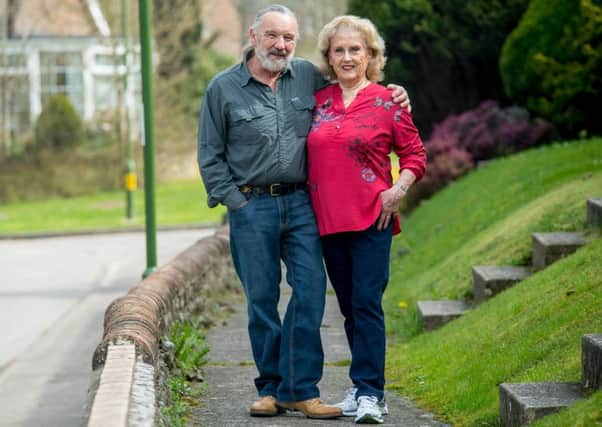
x=149, y=137
x=130, y=181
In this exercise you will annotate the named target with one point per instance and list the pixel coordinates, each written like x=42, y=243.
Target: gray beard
x=274, y=66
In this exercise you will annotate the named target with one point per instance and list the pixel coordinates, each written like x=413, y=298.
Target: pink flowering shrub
x=461, y=141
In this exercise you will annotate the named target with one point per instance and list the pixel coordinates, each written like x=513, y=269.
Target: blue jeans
x=288, y=354
x=358, y=268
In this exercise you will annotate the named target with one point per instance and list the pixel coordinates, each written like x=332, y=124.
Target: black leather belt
x=278, y=189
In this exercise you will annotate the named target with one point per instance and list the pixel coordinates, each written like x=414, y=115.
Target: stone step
x=548, y=248
x=523, y=403
x=488, y=281
x=434, y=314
x=591, y=361
x=594, y=213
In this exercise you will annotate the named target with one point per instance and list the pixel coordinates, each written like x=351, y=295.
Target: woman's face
x=348, y=56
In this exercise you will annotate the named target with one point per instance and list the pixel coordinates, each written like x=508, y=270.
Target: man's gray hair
x=273, y=8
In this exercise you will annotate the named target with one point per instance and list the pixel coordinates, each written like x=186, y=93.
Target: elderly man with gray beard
x=251, y=152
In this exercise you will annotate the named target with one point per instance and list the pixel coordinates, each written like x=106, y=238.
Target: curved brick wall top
x=144, y=315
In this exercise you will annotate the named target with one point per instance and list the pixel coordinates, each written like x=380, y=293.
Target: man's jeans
x=358, y=268
x=288, y=356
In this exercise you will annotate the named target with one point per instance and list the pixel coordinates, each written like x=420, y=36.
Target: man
x=251, y=151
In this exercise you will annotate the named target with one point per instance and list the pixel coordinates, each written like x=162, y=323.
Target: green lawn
x=180, y=202
x=531, y=332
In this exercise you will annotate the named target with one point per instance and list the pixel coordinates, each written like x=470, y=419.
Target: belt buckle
x=275, y=190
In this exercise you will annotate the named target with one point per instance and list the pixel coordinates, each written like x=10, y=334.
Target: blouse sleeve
x=407, y=144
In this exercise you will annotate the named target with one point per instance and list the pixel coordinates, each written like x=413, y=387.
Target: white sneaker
x=349, y=404
x=368, y=411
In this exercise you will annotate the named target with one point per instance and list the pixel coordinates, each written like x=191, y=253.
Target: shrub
x=489, y=131
x=444, y=52
x=552, y=63
x=59, y=126
x=461, y=141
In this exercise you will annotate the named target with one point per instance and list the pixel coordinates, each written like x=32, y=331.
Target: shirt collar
x=245, y=74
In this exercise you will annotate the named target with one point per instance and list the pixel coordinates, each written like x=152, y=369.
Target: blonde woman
x=355, y=127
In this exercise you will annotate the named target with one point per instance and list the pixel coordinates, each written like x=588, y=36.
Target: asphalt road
x=53, y=294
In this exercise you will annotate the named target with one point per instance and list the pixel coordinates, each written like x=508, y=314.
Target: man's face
x=274, y=41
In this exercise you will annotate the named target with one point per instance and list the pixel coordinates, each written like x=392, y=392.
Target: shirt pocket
x=303, y=107
x=249, y=125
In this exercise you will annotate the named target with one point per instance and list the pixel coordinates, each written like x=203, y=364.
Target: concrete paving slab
x=491, y=280
x=591, y=361
x=523, y=403
x=434, y=314
x=548, y=248
x=594, y=213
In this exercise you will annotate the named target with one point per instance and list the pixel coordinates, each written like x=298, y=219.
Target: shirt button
x=338, y=127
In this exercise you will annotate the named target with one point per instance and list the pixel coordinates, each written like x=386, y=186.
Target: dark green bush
x=552, y=62
x=59, y=126
x=444, y=52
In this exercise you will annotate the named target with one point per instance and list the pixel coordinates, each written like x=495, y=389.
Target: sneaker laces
x=370, y=401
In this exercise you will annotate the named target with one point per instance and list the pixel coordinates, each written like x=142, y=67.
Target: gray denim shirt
x=249, y=135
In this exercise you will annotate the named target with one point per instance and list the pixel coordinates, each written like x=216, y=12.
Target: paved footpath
x=230, y=373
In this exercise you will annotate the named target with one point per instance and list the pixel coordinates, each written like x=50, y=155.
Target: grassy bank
x=531, y=332
x=487, y=217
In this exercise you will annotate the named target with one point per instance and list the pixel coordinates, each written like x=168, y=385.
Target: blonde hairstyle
x=373, y=41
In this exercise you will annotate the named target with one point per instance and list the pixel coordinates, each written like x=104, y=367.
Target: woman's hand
x=390, y=199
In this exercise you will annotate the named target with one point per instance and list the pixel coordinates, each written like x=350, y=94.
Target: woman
x=355, y=127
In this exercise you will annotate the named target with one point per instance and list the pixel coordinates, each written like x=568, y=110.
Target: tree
x=445, y=52
x=552, y=62
x=187, y=58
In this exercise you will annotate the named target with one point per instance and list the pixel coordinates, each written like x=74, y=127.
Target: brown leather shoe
x=313, y=408
x=265, y=407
